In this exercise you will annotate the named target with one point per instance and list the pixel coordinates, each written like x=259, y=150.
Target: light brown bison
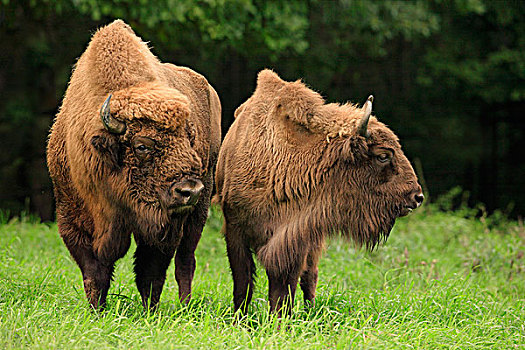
x=293, y=170
x=133, y=151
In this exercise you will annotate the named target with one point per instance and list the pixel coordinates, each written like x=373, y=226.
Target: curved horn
x=363, y=124
x=111, y=124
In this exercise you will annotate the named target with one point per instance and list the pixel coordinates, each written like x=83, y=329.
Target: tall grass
x=450, y=280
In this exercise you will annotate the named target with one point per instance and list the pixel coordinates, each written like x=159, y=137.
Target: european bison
x=293, y=170
x=133, y=151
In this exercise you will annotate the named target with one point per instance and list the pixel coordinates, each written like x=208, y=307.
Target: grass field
x=443, y=280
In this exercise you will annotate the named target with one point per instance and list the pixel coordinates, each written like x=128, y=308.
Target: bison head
x=386, y=182
x=373, y=181
x=346, y=170
x=392, y=167
x=146, y=147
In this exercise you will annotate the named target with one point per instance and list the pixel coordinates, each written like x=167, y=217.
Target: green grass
x=443, y=280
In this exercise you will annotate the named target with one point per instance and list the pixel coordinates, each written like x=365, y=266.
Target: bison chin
x=157, y=225
x=407, y=209
x=184, y=209
x=370, y=227
x=164, y=211
x=368, y=220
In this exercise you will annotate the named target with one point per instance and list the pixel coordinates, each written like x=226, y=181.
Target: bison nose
x=187, y=191
x=419, y=198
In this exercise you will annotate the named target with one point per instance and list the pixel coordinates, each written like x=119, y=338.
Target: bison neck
x=158, y=229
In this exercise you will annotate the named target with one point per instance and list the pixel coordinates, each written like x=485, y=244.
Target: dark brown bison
x=133, y=151
x=293, y=170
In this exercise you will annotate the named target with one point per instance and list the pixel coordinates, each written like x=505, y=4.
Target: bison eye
x=383, y=157
x=143, y=146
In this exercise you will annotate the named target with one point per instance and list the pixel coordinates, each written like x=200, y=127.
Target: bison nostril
x=419, y=198
x=187, y=192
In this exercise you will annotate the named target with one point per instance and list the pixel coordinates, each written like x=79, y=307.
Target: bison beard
x=293, y=170
x=133, y=152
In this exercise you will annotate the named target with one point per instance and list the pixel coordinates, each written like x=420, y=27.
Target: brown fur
x=104, y=192
x=293, y=170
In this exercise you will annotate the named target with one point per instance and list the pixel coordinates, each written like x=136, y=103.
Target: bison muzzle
x=133, y=152
x=293, y=170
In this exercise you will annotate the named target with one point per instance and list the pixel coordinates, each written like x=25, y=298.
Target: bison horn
x=363, y=124
x=111, y=124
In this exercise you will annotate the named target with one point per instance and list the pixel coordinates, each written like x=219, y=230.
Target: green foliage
x=264, y=26
x=441, y=281
x=484, y=51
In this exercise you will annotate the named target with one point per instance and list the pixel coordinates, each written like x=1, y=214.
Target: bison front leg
x=185, y=263
x=309, y=278
x=97, y=278
x=243, y=270
x=281, y=291
x=97, y=270
x=95, y=274
x=150, y=268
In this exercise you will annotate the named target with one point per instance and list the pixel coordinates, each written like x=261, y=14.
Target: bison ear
x=298, y=103
x=301, y=117
x=353, y=149
x=109, y=149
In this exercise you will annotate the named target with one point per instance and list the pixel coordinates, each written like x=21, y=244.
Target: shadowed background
x=448, y=76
